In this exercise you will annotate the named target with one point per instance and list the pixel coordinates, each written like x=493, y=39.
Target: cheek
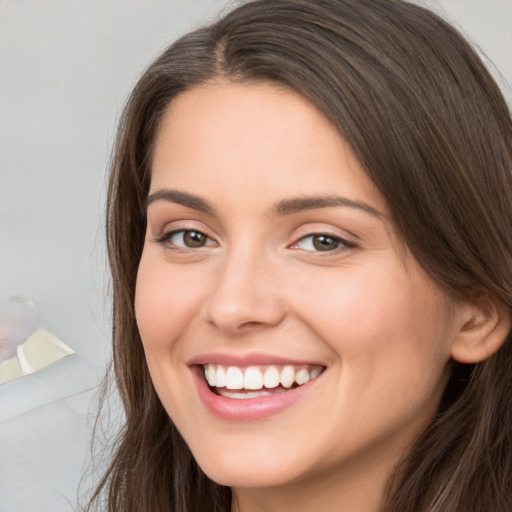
x=165, y=302
x=390, y=338
x=164, y=307
x=381, y=324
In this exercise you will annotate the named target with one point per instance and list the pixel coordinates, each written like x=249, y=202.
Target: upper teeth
x=255, y=377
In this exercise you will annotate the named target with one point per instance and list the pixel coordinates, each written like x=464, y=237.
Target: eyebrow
x=294, y=205
x=183, y=198
x=281, y=208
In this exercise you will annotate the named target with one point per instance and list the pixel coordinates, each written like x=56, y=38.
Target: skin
x=365, y=309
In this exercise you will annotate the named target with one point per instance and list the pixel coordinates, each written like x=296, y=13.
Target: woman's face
x=270, y=258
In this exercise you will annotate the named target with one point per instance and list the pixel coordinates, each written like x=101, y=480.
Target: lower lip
x=248, y=409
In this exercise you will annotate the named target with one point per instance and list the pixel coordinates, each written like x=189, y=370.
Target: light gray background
x=66, y=67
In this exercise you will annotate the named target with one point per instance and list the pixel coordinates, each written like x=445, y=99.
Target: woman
x=309, y=233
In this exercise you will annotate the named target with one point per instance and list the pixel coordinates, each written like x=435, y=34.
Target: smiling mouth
x=257, y=381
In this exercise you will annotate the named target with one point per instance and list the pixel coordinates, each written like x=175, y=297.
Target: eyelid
x=165, y=227
x=167, y=235
x=344, y=244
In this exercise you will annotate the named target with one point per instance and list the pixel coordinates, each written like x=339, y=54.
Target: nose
x=245, y=294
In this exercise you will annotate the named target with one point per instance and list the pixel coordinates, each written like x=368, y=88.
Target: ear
x=484, y=328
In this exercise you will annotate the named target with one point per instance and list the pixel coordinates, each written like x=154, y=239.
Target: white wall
x=65, y=68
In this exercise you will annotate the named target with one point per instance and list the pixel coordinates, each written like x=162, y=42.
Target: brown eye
x=194, y=239
x=185, y=239
x=325, y=242
x=322, y=242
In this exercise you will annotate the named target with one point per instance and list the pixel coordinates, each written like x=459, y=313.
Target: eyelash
x=341, y=243
x=166, y=237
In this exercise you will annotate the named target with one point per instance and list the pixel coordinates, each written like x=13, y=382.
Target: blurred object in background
x=19, y=318
x=25, y=347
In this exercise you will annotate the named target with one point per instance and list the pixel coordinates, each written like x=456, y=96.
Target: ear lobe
x=486, y=325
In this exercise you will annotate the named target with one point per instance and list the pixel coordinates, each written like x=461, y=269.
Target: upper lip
x=252, y=359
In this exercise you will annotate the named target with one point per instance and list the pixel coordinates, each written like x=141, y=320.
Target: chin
x=254, y=476
x=257, y=468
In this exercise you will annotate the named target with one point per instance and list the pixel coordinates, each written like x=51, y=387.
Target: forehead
x=255, y=137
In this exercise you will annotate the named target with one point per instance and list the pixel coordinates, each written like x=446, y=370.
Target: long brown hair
x=433, y=132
